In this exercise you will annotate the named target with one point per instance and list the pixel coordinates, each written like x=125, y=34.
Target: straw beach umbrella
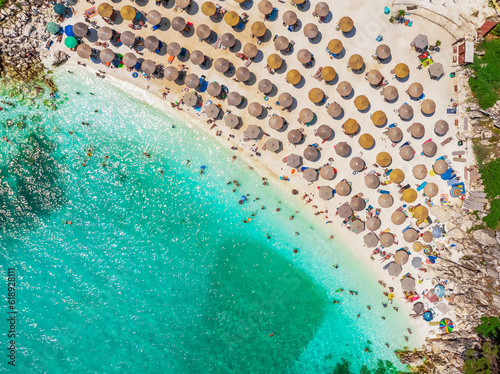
x=322, y=9
x=203, y=31
x=335, y=46
x=397, y=176
x=153, y=17
x=379, y=118
x=324, y=132
x=373, y=223
x=148, y=66
x=407, y=152
x=293, y=160
x=374, y=77
x=214, y=89
x=253, y=131
x=428, y=106
x=419, y=307
x=427, y=236
x=325, y=192
x=182, y=3
x=276, y=122
x=394, y=269
x=107, y=55
x=178, y=24
x=265, y=7
x=328, y=73
x=310, y=175
x=255, y=109
x=228, y=40
x=274, y=61
x=212, y=111
x=234, y=98
x=357, y=164
x=366, y=141
x=356, y=62
x=384, y=159
x=311, y=30
x=436, y=70
x=351, y=126
x=417, y=130
x=290, y=18
x=281, y=43
x=304, y=56
x=197, y=57
x=431, y=189
x=129, y=60
x=395, y=134
x=295, y=136
x=127, y=38
x=192, y=80
x=293, y=76
x=273, y=145
x=371, y=240
x=171, y=73
x=401, y=70
x=343, y=188
x=357, y=226
x=174, y=49
x=421, y=41
x=342, y=149
x=361, y=102
x=80, y=29
x=401, y=257
x=327, y=172
x=420, y=171
x=334, y=110
x=372, y=181
x=84, y=51
x=344, y=88
x=346, y=24
x=398, y=217
x=440, y=167
x=415, y=90
x=258, y=29
x=285, y=99
x=105, y=33
x=409, y=195
x=265, y=86
x=311, y=153
x=190, y=99
x=243, y=74
x=385, y=200
x=405, y=111
x=316, y=95
x=105, y=10
x=410, y=235
x=408, y=284
x=429, y=148
x=208, y=8
x=127, y=12
x=306, y=115
x=421, y=213
x=383, y=51
x=250, y=50
x=221, y=65
x=441, y=127
x=386, y=239
x=231, y=120
x=151, y=43
x=390, y=93
x=345, y=211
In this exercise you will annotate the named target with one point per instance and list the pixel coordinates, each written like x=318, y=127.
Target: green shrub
x=486, y=80
x=493, y=217
x=2, y=3
x=489, y=328
x=490, y=174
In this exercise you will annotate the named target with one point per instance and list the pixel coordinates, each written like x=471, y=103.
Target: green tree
x=489, y=328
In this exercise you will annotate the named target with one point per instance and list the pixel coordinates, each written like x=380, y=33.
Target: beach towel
x=421, y=186
x=91, y=12
x=444, y=199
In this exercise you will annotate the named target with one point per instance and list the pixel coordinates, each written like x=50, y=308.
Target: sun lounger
x=456, y=153
x=421, y=187
x=171, y=59
x=459, y=159
x=384, y=192
x=432, y=173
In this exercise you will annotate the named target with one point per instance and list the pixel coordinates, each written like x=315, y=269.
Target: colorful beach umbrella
x=70, y=42
x=427, y=316
x=446, y=325
x=428, y=250
x=455, y=191
x=417, y=246
x=52, y=27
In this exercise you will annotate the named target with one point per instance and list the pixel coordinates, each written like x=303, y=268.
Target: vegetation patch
x=485, y=82
x=485, y=360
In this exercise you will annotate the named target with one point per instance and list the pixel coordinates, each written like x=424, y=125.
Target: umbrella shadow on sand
x=316, y=39
x=92, y=36
x=258, y=58
x=236, y=47
x=192, y=9
x=164, y=24
x=351, y=33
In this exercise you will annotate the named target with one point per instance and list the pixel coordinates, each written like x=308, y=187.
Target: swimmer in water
x=146, y=154
x=336, y=302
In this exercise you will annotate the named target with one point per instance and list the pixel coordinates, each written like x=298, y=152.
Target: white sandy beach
x=370, y=22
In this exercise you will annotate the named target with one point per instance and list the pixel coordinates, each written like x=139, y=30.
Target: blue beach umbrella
x=439, y=290
x=68, y=30
x=427, y=316
x=59, y=9
x=437, y=232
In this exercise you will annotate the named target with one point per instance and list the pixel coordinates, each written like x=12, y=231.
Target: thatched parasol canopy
x=171, y=73
x=208, y=8
x=420, y=171
x=293, y=76
x=250, y=50
x=410, y=235
x=231, y=120
x=343, y=188
x=397, y=176
x=243, y=74
x=440, y=167
x=398, y=217
x=192, y=80
x=190, y=99
x=214, y=89
x=310, y=175
x=335, y=46
x=281, y=43
x=386, y=239
x=401, y=257
x=285, y=99
x=383, y=51
x=221, y=65
x=80, y=29
x=405, y=111
x=401, y=70
x=357, y=204
x=351, y=126
x=373, y=223
x=322, y=9
x=356, y=62
x=265, y=86
x=265, y=7
x=174, y=49
x=428, y=106
x=385, y=200
x=390, y=93
x=384, y=159
x=431, y=189
x=258, y=29
x=295, y=136
x=127, y=12
x=366, y=141
x=304, y=56
x=127, y=38
x=293, y=160
x=290, y=18
x=212, y=111
x=357, y=164
x=311, y=153
x=197, y=57
x=361, y=102
x=84, y=51
x=129, y=59
x=234, y=98
x=342, y=149
x=394, y=269
x=441, y=127
x=274, y=61
x=415, y=90
x=232, y=18
x=371, y=240
x=255, y=109
x=334, y=110
x=344, y=88
x=372, y=181
x=407, y=152
x=178, y=24
x=273, y=145
x=395, y=134
x=253, y=131
x=151, y=43
x=429, y=148
x=306, y=115
x=421, y=213
x=105, y=10
x=357, y=226
x=408, y=284
x=228, y=40
x=203, y=31
x=325, y=192
x=409, y=195
x=379, y=118
x=108, y=55
x=417, y=130
x=311, y=30
x=327, y=172
x=374, y=77
x=421, y=41
x=436, y=70
x=276, y=122
x=105, y=33
x=153, y=17
x=182, y=3
x=324, y=132
x=346, y=24
x=344, y=211
x=328, y=73
x=316, y=95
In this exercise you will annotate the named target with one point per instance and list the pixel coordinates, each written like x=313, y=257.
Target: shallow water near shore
x=158, y=272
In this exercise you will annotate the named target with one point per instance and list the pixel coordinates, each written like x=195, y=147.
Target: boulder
x=28, y=29
x=456, y=233
x=440, y=213
x=484, y=237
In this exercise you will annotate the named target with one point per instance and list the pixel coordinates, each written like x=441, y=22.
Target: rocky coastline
x=470, y=260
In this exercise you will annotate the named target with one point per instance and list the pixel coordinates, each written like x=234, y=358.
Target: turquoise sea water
x=158, y=273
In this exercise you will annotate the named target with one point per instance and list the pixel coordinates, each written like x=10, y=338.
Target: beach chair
x=387, y=10
x=156, y=27
x=170, y=59
x=421, y=187
x=379, y=38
